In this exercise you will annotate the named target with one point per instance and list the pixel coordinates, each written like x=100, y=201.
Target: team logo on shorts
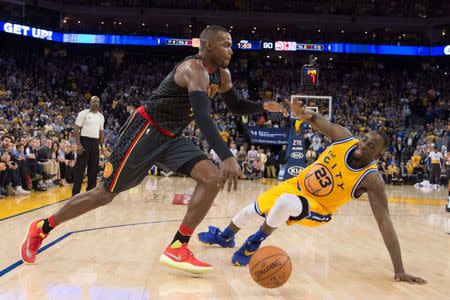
x=108, y=170
x=319, y=181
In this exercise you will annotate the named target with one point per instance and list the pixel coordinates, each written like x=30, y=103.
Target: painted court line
x=25, y=212
x=66, y=235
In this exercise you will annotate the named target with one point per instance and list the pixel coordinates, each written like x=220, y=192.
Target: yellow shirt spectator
x=392, y=169
x=409, y=169
x=415, y=161
x=263, y=157
x=224, y=135
x=430, y=138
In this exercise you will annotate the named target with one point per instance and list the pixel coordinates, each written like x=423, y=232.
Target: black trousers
x=435, y=173
x=89, y=158
x=10, y=177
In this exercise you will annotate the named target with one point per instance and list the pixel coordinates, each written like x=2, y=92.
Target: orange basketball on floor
x=270, y=267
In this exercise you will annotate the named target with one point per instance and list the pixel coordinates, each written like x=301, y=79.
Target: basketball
x=270, y=267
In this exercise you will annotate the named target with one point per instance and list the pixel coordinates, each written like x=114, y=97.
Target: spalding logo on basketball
x=108, y=170
x=319, y=181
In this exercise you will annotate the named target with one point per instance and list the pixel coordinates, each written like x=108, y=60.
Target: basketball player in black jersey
x=151, y=135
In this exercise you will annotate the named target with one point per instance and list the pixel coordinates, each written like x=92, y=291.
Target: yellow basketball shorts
x=318, y=214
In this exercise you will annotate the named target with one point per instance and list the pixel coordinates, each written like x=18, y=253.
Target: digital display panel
x=285, y=46
x=256, y=45
x=178, y=42
x=248, y=45
x=310, y=47
x=33, y=32
x=310, y=76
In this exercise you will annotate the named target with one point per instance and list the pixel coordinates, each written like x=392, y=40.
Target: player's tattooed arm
x=318, y=122
x=374, y=185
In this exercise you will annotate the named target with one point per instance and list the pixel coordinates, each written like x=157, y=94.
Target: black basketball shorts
x=141, y=144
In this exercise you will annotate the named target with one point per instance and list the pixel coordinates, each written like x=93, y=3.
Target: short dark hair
x=210, y=31
x=385, y=137
x=8, y=137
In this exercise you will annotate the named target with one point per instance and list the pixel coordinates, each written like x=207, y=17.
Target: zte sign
x=28, y=31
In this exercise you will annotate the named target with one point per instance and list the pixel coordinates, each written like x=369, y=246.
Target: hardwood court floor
x=113, y=252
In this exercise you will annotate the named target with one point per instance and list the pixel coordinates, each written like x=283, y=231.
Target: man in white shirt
x=436, y=160
x=88, y=132
x=252, y=154
x=233, y=149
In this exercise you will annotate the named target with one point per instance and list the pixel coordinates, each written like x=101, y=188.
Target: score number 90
x=267, y=45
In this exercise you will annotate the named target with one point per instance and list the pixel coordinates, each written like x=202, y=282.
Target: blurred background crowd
x=44, y=85
x=42, y=90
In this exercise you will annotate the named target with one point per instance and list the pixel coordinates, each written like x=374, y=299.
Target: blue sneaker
x=242, y=256
x=212, y=237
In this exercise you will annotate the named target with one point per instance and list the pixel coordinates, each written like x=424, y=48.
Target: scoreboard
x=310, y=76
x=248, y=45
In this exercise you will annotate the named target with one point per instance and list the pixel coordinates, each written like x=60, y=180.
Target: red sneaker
x=178, y=256
x=32, y=242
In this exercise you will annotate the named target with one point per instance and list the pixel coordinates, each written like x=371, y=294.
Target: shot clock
x=310, y=75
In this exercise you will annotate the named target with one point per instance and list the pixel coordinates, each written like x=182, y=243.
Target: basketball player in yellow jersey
x=345, y=170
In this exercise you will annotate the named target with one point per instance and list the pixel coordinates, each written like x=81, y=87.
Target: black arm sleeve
x=241, y=106
x=201, y=106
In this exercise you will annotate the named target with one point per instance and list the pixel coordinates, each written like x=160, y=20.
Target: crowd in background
x=41, y=93
x=416, y=8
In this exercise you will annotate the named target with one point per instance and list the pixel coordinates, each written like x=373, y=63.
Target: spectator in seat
x=270, y=164
x=241, y=155
x=252, y=154
x=44, y=157
x=382, y=169
x=394, y=176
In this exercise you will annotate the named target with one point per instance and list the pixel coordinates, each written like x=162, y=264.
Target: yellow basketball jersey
x=330, y=180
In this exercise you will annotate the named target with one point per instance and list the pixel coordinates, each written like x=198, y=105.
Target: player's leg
x=206, y=174
x=76, y=206
x=126, y=169
x=286, y=206
x=177, y=254
x=226, y=238
x=184, y=157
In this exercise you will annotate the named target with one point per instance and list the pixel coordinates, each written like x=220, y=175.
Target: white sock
x=287, y=205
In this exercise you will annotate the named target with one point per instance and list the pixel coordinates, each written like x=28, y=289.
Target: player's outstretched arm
x=318, y=122
x=374, y=185
x=241, y=106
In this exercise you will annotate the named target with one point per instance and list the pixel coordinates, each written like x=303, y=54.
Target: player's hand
x=409, y=278
x=80, y=149
x=230, y=171
x=273, y=106
x=299, y=110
